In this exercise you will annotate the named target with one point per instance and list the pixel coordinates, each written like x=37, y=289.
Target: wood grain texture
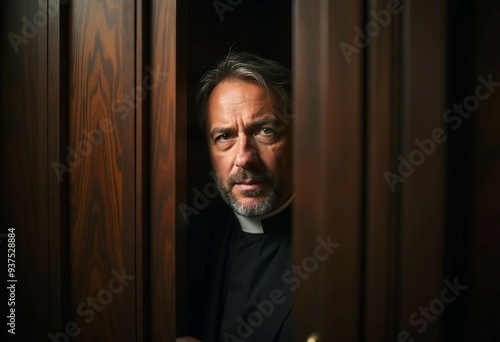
x=141, y=178
x=102, y=179
x=164, y=181
x=23, y=168
x=328, y=95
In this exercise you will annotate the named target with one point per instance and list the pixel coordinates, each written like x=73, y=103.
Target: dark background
x=473, y=210
x=259, y=27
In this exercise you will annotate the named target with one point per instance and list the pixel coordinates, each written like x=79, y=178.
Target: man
x=238, y=255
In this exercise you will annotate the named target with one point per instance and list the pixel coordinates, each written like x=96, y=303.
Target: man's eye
x=222, y=137
x=266, y=131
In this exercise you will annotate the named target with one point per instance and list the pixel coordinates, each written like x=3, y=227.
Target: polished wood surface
x=357, y=114
x=102, y=182
x=328, y=166
x=423, y=194
x=166, y=175
x=383, y=106
x=142, y=293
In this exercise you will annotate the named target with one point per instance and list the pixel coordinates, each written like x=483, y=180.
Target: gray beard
x=266, y=205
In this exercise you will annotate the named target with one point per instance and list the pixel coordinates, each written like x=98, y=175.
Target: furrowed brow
x=219, y=130
x=264, y=122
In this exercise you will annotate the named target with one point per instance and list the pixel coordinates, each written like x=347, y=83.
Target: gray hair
x=271, y=76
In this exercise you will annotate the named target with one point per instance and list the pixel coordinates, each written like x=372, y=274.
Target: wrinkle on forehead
x=232, y=92
x=231, y=99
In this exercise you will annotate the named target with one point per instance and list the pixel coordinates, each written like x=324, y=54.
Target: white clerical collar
x=253, y=225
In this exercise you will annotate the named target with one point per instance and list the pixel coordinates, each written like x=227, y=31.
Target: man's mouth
x=249, y=185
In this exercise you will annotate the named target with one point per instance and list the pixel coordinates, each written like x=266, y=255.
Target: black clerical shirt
x=253, y=260
x=236, y=288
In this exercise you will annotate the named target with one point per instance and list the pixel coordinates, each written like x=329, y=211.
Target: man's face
x=250, y=148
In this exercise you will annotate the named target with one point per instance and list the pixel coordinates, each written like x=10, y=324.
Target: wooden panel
x=102, y=99
x=422, y=195
x=141, y=186
x=101, y=236
x=167, y=176
x=328, y=102
x=382, y=136
x=24, y=171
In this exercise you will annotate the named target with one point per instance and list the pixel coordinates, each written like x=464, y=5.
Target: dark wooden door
x=89, y=118
x=365, y=89
x=395, y=160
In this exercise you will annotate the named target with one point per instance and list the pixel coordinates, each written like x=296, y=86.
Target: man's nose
x=247, y=155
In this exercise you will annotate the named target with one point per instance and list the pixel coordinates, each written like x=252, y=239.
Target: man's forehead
x=232, y=100
x=238, y=91
x=232, y=119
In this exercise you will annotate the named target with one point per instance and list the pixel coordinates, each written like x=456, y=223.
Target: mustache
x=244, y=175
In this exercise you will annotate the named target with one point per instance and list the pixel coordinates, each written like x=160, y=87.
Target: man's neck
x=253, y=225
